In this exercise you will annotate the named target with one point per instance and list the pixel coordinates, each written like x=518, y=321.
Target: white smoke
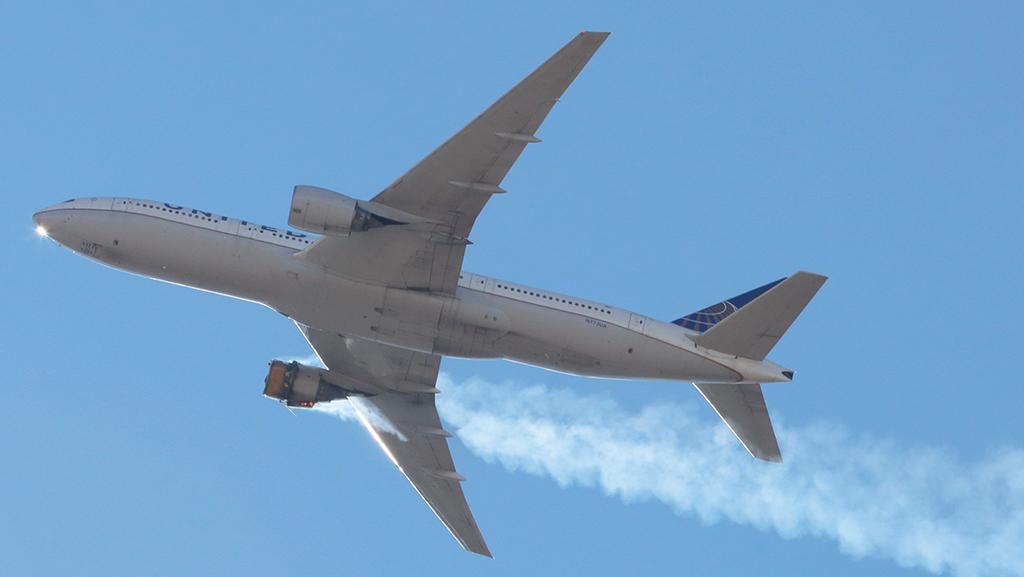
x=349, y=409
x=353, y=408
x=312, y=360
x=340, y=408
x=918, y=506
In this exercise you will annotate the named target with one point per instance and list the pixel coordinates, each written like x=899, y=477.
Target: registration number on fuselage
x=596, y=323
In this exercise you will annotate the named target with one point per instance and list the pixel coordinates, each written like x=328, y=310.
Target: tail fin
x=755, y=326
x=706, y=318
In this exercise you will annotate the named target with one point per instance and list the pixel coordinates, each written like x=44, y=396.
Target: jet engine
x=299, y=385
x=327, y=212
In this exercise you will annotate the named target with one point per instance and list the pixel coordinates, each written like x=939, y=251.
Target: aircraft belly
x=255, y=270
x=563, y=341
x=583, y=345
x=177, y=253
x=332, y=303
x=397, y=317
x=470, y=325
x=409, y=319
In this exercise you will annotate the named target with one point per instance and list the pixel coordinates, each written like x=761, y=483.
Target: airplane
x=378, y=291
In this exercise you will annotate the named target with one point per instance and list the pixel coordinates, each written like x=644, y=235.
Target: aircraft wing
x=743, y=409
x=453, y=183
x=404, y=422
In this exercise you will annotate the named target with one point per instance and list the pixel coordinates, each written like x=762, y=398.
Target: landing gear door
x=637, y=323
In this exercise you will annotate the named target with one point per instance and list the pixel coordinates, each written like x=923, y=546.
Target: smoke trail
x=311, y=360
x=350, y=410
x=920, y=507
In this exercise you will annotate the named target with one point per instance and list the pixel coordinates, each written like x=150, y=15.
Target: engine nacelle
x=327, y=212
x=299, y=385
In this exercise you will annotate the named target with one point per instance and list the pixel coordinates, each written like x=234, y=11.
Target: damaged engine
x=298, y=385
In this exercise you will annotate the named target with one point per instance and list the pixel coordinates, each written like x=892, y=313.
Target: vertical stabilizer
x=708, y=317
x=753, y=330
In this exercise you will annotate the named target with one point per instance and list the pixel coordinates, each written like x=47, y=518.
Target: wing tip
x=769, y=457
x=482, y=550
x=474, y=545
x=812, y=275
x=597, y=38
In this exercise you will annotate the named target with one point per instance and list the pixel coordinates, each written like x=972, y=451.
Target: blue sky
x=704, y=151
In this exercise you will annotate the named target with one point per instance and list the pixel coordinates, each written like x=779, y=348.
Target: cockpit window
x=68, y=200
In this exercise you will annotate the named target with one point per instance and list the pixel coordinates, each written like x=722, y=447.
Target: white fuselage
x=486, y=318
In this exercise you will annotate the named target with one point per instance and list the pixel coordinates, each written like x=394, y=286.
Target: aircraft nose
x=44, y=221
x=49, y=220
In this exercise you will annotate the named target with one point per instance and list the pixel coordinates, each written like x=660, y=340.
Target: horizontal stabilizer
x=743, y=409
x=753, y=330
